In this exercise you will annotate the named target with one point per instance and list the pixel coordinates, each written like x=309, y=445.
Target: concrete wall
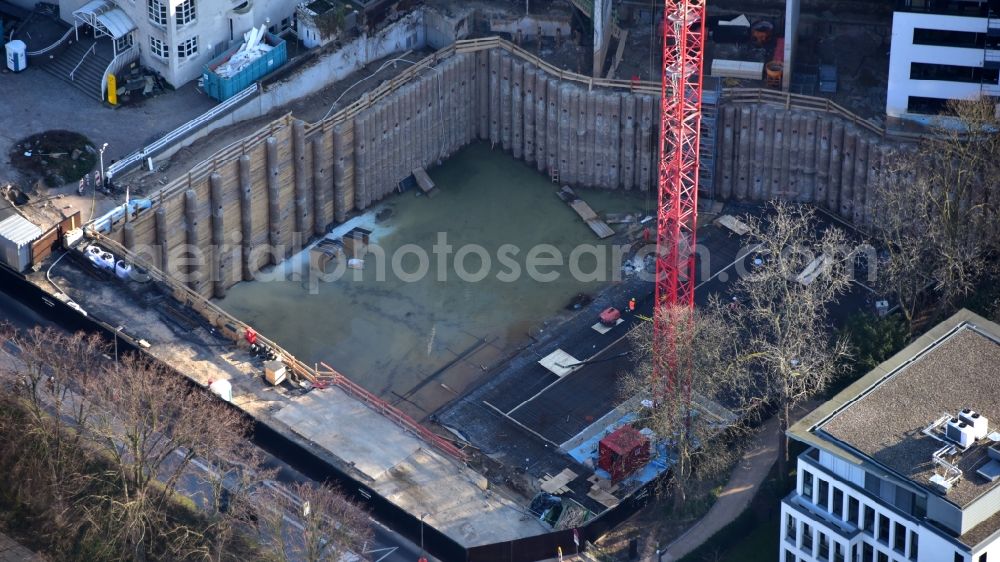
x=768, y=152
x=256, y=202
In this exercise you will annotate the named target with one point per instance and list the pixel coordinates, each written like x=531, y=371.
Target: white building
x=942, y=50
x=888, y=476
x=175, y=37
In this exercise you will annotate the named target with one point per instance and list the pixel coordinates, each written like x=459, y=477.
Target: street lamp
x=118, y=329
x=422, y=515
x=102, y=165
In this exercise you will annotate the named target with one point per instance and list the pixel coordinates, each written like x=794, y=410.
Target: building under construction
x=535, y=454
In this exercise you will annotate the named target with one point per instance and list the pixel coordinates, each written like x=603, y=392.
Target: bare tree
x=311, y=522
x=689, y=418
x=782, y=312
x=44, y=379
x=151, y=426
x=938, y=210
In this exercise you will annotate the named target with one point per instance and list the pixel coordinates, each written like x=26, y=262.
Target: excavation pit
x=427, y=316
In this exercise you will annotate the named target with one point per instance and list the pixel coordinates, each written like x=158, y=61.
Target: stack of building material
x=253, y=48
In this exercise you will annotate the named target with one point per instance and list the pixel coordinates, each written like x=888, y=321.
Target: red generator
x=623, y=452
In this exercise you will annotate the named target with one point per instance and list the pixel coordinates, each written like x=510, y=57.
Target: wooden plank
x=423, y=180
x=732, y=223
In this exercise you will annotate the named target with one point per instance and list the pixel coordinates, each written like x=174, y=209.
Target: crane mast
x=677, y=209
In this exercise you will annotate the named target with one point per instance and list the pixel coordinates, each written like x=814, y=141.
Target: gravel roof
x=961, y=371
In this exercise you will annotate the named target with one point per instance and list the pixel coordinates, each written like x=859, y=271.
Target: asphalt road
x=387, y=547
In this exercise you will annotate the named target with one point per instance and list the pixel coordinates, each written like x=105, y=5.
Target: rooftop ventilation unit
x=976, y=421
x=945, y=472
x=960, y=433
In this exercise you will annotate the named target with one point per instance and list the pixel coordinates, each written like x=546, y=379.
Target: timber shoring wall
x=254, y=202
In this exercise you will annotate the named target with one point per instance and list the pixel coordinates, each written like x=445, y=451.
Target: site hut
x=942, y=51
x=173, y=37
x=904, y=465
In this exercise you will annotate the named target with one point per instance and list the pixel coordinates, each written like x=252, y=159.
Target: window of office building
x=949, y=38
x=157, y=10
x=959, y=557
x=807, y=537
x=899, y=540
x=807, y=485
x=185, y=12
x=823, y=492
x=883, y=557
x=159, y=48
x=838, y=502
x=869, y=524
x=883, y=529
x=872, y=483
x=824, y=547
x=919, y=505
x=867, y=553
x=953, y=73
x=853, y=508
x=914, y=545
x=982, y=557
x=789, y=557
x=790, y=527
x=838, y=552
x=188, y=48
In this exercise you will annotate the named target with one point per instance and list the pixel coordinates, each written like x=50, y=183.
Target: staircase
x=708, y=151
x=83, y=63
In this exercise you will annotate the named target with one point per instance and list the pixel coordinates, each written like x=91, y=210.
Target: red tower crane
x=677, y=210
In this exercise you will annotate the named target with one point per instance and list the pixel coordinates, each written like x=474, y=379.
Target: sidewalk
x=11, y=551
x=735, y=496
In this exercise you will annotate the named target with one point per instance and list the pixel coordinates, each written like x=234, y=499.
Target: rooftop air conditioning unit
x=976, y=421
x=959, y=432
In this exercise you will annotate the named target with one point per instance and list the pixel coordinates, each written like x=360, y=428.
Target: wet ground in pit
x=420, y=340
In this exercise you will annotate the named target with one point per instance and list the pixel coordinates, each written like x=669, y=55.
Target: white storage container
x=16, y=235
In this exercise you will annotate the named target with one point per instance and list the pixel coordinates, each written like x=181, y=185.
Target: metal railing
x=119, y=62
x=92, y=49
x=58, y=42
x=789, y=100
x=137, y=156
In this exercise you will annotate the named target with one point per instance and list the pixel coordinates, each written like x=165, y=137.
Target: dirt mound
x=56, y=157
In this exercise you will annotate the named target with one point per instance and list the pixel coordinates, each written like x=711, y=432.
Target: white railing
x=92, y=49
x=180, y=132
x=60, y=41
x=119, y=62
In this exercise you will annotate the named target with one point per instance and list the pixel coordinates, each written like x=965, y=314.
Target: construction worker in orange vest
x=631, y=305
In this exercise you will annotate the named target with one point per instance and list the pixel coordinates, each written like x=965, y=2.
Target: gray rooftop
x=880, y=418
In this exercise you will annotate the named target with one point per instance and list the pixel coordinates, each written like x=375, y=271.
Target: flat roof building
x=942, y=50
x=904, y=465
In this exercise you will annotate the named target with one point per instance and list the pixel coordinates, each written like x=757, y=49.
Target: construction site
x=480, y=407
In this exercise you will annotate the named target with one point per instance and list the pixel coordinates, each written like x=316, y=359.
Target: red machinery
x=623, y=452
x=680, y=133
x=609, y=316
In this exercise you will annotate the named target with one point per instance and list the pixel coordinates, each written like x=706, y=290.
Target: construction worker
x=631, y=304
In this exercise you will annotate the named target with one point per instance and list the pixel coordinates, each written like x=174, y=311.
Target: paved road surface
x=388, y=546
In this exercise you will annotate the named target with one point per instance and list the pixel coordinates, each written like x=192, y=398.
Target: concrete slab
x=559, y=363
x=603, y=328
x=327, y=418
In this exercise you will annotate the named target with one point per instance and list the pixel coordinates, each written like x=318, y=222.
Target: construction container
x=275, y=372
x=223, y=88
x=623, y=452
x=16, y=235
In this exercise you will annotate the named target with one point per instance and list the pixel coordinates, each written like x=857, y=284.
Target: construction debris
x=253, y=48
